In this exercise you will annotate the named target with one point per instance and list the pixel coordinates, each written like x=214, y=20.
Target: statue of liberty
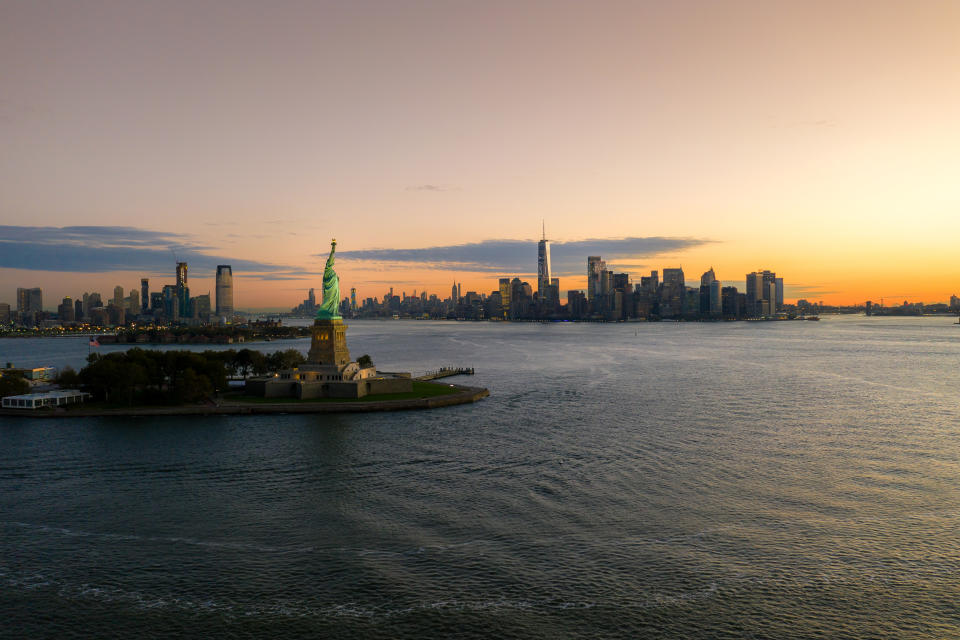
x=330, y=308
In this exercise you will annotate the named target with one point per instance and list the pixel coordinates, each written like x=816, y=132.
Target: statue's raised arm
x=330, y=308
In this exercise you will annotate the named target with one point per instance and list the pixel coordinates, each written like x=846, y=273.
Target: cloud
x=803, y=290
x=99, y=249
x=430, y=187
x=520, y=256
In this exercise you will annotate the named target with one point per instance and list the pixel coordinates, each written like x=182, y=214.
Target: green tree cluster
x=13, y=385
x=141, y=376
x=154, y=377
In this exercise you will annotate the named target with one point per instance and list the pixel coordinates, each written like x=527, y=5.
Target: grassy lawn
x=420, y=390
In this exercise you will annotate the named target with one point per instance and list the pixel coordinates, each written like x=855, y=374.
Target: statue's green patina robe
x=330, y=309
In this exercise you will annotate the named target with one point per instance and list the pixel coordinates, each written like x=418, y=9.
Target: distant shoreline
x=463, y=395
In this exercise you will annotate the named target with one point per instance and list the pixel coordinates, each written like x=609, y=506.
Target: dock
x=446, y=372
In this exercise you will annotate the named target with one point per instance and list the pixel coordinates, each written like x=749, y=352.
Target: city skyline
x=432, y=139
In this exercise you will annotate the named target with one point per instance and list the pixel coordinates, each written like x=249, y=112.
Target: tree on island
x=140, y=376
x=365, y=361
x=13, y=385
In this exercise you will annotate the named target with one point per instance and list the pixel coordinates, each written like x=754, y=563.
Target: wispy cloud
x=430, y=187
x=803, y=291
x=99, y=249
x=519, y=256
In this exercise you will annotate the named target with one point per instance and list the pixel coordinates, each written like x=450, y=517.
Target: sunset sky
x=819, y=139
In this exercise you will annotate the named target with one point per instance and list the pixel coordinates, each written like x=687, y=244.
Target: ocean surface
x=674, y=480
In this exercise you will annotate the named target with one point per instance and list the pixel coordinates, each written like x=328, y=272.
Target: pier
x=446, y=372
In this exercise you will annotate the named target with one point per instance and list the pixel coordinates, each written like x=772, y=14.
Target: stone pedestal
x=329, y=345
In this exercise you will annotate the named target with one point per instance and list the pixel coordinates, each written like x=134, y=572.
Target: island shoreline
x=463, y=395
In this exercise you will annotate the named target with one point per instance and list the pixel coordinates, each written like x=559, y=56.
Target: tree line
x=141, y=376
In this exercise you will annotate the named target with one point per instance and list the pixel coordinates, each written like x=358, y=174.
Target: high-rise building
x=118, y=296
x=171, y=302
x=224, y=291
x=674, y=278
x=132, y=302
x=454, y=293
x=78, y=309
x=29, y=300
x=707, y=278
x=200, y=307
x=754, y=293
x=543, y=266
x=66, y=310
x=505, y=296
x=673, y=297
x=144, y=295
x=779, y=282
x=770, y=303
x=595, y=267
x=182, y=291
x=4, y=313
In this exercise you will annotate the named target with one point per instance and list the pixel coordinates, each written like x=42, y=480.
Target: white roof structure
x=46, y=399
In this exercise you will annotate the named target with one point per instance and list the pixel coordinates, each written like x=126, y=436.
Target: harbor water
x=694, y=480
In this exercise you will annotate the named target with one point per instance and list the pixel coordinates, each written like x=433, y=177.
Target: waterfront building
x=577, y=304
x=954, y=302
x=4, y=313
x=200, y=307
x=544, y=274
x=595, y=267
x=144, y=295
x=716, y=299
x=505, y=296
x=171, y=302
x=224, y=291
x=78, y=310
x=754, y=293
x=728, y=303
x=116, y=314
x=779, y=296
x=770, y=302
x=132, y=303
x=118, y=296
x=673, y=294
x=29, y=300
x=56, y=398
x=156, y=303
x=65, y=312
x=91, y=301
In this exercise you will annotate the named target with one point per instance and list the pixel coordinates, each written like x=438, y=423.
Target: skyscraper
x=224, y=291
x=182, y=291
x=762, y=293
x=29, y=300
x=595, y=267
x=505, y=290
x=118, y=296
x=144, y=295
x=543, y=266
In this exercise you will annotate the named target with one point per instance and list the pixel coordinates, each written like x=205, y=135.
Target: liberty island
x=326, y=381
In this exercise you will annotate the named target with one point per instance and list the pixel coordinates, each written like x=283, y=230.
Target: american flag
x=94, y=342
